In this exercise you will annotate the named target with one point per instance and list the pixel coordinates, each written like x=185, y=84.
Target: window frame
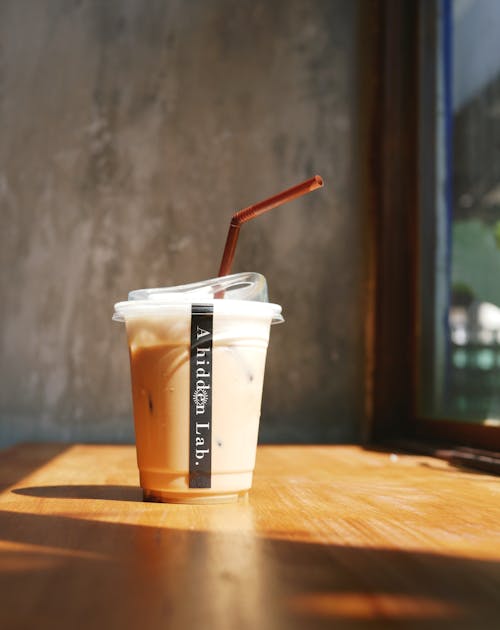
x=395, y=108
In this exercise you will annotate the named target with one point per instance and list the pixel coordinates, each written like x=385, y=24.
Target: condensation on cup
x=197, y=358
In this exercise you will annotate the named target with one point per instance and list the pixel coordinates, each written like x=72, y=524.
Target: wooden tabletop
x=330, y=537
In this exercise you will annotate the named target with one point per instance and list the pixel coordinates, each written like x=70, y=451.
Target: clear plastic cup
x=197, y=358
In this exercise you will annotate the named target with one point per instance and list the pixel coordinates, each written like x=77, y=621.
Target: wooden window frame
x=393, y=109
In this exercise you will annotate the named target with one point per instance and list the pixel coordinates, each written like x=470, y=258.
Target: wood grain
x=329, y=537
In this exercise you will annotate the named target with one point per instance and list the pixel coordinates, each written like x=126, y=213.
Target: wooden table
x=330, y=537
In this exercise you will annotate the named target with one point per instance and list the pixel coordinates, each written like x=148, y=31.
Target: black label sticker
x=200, y=397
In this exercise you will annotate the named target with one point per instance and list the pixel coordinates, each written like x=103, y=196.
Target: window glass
x=459, y=324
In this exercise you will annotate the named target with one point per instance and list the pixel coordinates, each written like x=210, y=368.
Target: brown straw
x=256, y=210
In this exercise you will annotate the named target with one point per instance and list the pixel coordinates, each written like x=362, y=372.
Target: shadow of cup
x=94, y=492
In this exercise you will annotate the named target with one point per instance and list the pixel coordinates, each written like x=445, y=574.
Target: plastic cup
x=197, y=369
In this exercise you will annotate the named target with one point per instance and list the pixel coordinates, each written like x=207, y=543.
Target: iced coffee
x=197, y=369
x=197, y=356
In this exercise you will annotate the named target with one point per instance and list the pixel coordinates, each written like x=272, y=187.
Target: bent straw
x=242, y=216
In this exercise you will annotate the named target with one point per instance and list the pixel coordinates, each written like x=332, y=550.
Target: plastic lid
x=239, y=286
x=248, y=286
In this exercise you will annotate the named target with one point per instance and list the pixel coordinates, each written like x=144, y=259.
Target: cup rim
x=180, y=302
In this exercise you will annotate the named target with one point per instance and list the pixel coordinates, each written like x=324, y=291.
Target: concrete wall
x=130, y=131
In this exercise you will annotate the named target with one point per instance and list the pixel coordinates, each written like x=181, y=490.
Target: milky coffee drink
x=197, y=358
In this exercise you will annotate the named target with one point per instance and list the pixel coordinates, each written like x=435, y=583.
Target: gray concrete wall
x=130, y=131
